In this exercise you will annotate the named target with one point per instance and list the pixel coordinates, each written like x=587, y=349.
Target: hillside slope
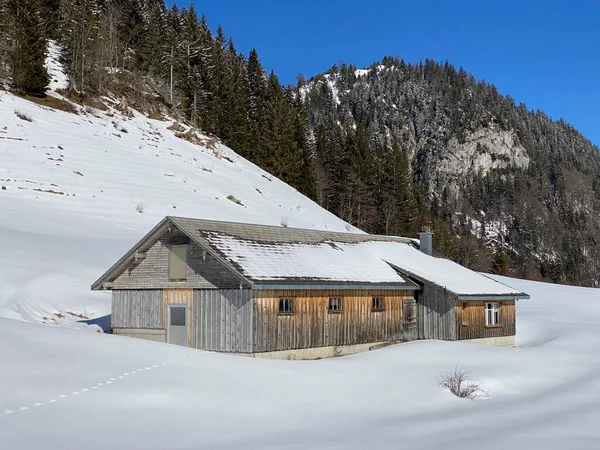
x=78, y=190
x=505, y=188
x=71, y=390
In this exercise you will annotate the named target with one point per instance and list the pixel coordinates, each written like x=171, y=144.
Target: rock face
x=484, y=150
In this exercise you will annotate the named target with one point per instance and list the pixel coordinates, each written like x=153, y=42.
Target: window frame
x=333, y=301
x=185, y=261
x=492, y=314
x=377, y=304
x=290, y=302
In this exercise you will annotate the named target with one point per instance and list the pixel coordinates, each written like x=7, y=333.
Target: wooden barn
x=293, y=293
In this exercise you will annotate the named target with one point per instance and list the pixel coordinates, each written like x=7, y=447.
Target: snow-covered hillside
x=71, y=390
x=77, y=190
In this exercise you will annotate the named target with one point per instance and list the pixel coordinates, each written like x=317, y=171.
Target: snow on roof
x=367, y=261
x=439, y=271
x=325, y=261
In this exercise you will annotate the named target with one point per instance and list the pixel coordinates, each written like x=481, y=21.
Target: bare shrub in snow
x=23, y=116
x=460, y=384
x=285, y=222
x=140, y=207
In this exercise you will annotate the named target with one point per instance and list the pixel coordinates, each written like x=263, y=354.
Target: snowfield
x=64, y=389
x=77, y=191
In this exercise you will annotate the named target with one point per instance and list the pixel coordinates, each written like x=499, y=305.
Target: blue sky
x=544, y=53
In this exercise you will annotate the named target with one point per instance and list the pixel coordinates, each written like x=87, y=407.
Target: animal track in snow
x=8, y=412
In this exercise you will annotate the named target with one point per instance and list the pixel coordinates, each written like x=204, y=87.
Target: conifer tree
x=6, y=40
x=28, y=54
x=257, y=78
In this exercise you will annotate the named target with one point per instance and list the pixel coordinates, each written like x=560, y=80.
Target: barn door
x=177, y=331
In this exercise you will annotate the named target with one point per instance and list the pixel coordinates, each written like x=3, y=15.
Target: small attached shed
x=285, y=292
x=455, y=303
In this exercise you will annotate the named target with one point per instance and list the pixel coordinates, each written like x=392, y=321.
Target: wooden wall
x=436, y=313
x=218, y=320
x=222, y=320
x=312, y=325
x=470, y=320
x=203, y=270
x=137, y=308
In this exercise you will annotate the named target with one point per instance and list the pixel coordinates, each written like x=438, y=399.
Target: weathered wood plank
x=226, y=320
x=137, y=308
x=470, y=320
x=312, y=325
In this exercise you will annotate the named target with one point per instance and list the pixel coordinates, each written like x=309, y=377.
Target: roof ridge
x=291, y=229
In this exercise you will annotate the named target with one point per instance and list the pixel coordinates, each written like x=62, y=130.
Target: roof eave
x=491, y=297
x=326, y=284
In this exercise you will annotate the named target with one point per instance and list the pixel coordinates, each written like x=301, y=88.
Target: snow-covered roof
x=324, y=261
x=264, y=254
x=364, y=261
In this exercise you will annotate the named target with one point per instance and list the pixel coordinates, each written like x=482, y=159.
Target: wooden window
x=178, y=262
x=492, y=314
x=286, y=306
x=378, y=304
x=335, y=304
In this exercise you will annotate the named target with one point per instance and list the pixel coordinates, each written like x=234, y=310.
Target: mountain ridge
x=475, y=158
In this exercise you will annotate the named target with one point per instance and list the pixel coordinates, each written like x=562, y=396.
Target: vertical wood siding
x=437, y=314
x=223, y=320
x=203, y=271
x=312, y=325
x=183, y=296
x=137, y=308
x=470, y=319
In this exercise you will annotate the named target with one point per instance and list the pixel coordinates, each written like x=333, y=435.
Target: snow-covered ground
x=77, y=191
x=64, y=389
